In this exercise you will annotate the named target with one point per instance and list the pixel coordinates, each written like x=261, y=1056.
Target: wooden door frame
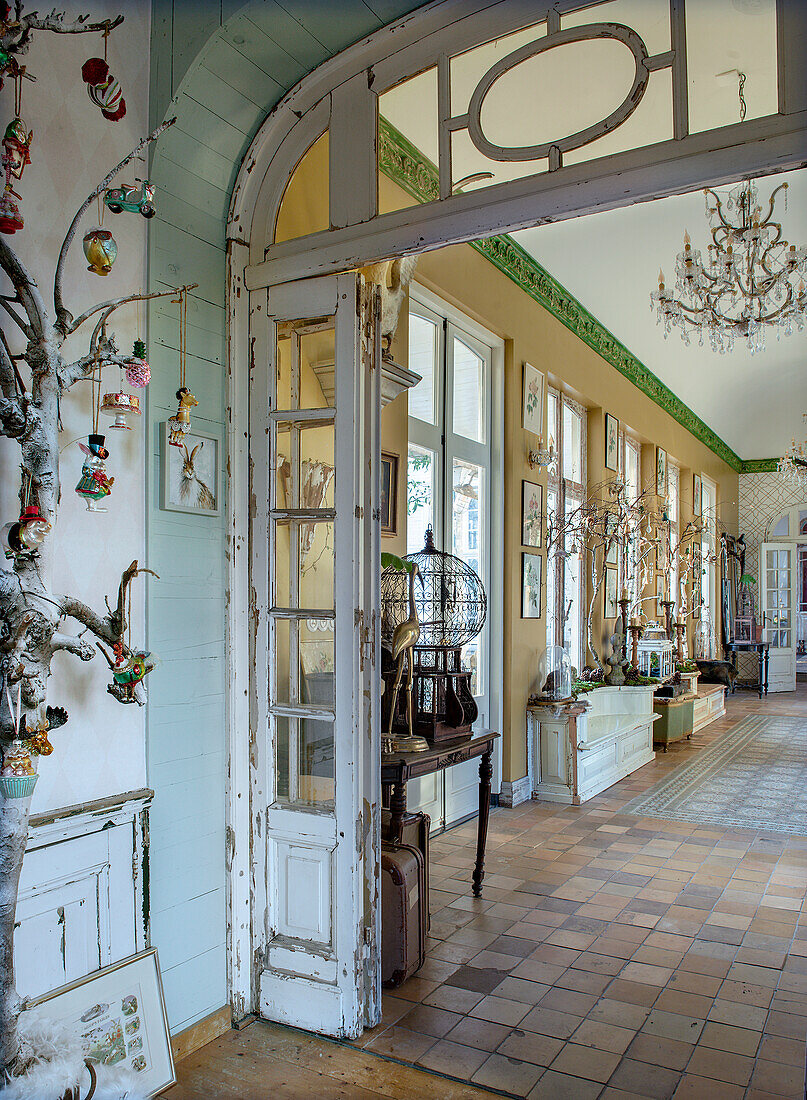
x=341, y=96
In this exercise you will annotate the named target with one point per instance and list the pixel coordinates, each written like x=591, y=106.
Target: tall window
x=566, y=488
x=449, y=459
x=708, y=550
x=673, y=505
x=631, y=466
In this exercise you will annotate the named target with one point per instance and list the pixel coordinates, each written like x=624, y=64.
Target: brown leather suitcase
x=403, y=913
x=415, y=831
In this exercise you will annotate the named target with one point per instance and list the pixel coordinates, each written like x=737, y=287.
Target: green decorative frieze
x=406, y=166
x=759, y=466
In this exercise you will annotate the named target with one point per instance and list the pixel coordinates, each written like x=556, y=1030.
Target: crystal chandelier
x=751, y=281
x=793, y=464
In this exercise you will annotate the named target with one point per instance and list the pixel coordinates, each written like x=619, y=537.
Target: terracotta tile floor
x=614, y=956
x=611, y=956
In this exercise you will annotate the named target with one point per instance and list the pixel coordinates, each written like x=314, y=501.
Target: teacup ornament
x=101, y=250
x=120, y=405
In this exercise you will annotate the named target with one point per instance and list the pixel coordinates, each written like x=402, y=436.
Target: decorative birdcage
x=745, y=621
x=451, y=608
x=655, y=653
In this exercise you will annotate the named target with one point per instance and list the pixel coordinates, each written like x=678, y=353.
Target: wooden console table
x=761, y=649
x=398, y=768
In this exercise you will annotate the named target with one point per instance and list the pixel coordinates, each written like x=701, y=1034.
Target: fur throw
x=55, y=1063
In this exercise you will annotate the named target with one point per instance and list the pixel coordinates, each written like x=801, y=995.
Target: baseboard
x=513, y=794
x=202, y=1032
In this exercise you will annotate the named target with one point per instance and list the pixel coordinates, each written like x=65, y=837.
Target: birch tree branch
x=64, y=319
x=7, y=306
x=17, y=40
x=102, y=627
x=27, y=291
x=70, y=644
x=114, y=303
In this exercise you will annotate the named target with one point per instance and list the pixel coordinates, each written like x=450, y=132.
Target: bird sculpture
x=393, y=276
x=404, y=639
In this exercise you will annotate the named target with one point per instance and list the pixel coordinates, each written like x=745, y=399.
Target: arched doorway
x=321, y=971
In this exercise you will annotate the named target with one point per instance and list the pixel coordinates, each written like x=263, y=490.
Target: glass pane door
x=778, y=577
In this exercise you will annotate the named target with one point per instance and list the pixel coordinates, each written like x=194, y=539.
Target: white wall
x=101, y=749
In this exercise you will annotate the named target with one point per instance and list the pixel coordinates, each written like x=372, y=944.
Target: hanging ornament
x=17, y=774
x=180, y=424
x=16, y=155
x=137, y=200
x=94, y=484
x=128, y=672
x=120, y=405
x=27, y=534
x=101, y=250
x=102, y=88
x=138, y=372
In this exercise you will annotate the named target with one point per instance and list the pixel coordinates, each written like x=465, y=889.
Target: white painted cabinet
x=81, y=898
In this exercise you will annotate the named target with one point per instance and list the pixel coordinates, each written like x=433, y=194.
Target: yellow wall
x=464, y=278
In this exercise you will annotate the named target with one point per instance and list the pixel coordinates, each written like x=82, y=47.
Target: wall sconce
x=542, y=457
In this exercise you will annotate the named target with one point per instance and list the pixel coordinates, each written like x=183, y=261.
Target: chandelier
x=751, y=280
x=793, y=464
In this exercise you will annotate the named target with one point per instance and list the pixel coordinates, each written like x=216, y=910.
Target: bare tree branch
x=7, y=306
x=64, y=320
x=105, y=628
x=17, y=39
x=27, y=291
x=114, y=303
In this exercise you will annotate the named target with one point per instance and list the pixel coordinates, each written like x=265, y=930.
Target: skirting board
x=513, y=794
x=201, y=1033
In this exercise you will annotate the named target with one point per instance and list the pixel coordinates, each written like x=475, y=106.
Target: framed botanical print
x=533, y=410
x=389, y=494
x=531, y=565
x=661, y=472
x=532, y=512
x=612, y=554
x=611, y=442
x=697, y=495
x=610, y=606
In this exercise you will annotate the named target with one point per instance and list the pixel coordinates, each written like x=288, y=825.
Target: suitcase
x=403, y=914
x=415, y=831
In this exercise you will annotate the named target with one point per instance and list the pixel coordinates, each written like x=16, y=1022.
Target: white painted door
x=314, y=430
x=777, y=572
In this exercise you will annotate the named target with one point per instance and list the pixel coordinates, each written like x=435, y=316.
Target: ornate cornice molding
x=406, y=166
x=759, y=466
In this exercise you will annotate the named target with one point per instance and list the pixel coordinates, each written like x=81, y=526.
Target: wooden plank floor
x=611, y=956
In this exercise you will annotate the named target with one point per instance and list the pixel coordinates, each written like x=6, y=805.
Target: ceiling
x=610, y=261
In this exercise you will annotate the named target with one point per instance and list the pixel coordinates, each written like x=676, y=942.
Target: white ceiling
x=610, y=261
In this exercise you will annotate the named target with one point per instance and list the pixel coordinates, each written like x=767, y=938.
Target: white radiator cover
x=82, y=901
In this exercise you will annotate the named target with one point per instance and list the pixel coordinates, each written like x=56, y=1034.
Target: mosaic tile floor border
x=754, y=777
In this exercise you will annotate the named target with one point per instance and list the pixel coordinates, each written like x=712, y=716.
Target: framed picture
x=531, y=586
x=660, y=597
x=389, y=494
x=661, y=472
x=697, y=495
x=533, y=413
x=119, y=1013
x=532, y=513
x=191, y=474
x=611, y=442
x=612, y=556
x=610, y=605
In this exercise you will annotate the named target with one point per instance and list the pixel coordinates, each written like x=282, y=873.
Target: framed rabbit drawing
x=191, y=480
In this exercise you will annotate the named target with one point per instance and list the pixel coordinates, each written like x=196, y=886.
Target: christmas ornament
x=127, y=672
x=102, y=88
x=132, y=198
x=120, y=405
x=138, y=372
x=27, y=534
x=101, y=250
x=180, y=424
x=16, y=155
x=94, y=484
x=17, y=774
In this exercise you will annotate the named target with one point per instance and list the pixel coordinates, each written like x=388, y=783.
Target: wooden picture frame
x=661, y=472
x=610, y=593
x=611, y=443
x=388, y=496
x=660, y=597
x=531, y=574
x=612, y=556
x=197, y=492
x=533, y=401
x=532, y=514
x=119, y=1014
x=697, y=495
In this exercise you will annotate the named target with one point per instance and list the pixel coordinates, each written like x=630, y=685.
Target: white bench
x=577, y=751
x=710, y=704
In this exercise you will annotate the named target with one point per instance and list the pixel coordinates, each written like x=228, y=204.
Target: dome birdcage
x=450, y=598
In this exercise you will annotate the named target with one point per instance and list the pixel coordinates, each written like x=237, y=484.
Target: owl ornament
x=101, y=251
x=103, y=89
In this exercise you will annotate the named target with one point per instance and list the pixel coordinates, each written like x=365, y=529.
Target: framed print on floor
x=611, y=443
x=119, y=1015
x=532, y=511
x=531, y=565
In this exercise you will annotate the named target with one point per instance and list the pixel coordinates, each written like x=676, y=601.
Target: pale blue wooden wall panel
x=220, y=96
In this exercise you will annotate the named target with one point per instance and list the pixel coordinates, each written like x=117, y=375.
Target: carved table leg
x=485, y=776
x=397, y=807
